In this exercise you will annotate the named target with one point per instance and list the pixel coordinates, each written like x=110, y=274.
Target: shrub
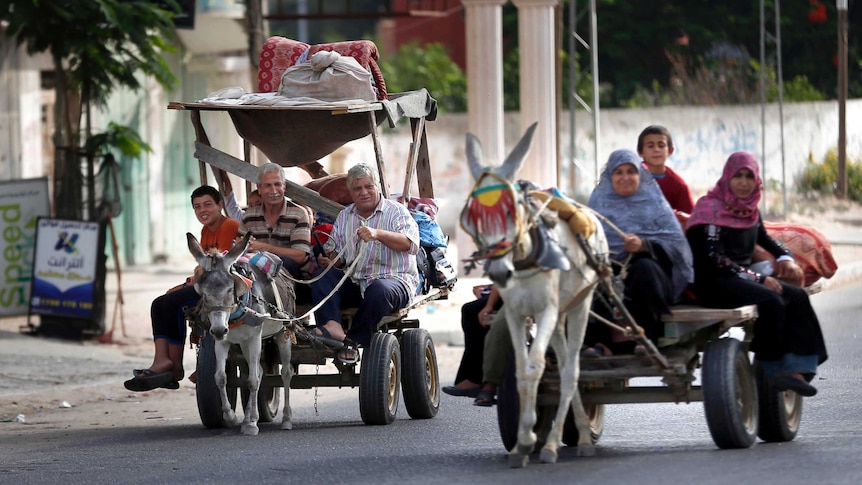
x=823, y=177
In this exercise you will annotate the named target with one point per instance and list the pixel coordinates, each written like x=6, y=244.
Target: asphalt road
x=157, y=438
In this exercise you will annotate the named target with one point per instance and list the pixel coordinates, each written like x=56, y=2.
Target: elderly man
x=278, y=225
x=384, y=237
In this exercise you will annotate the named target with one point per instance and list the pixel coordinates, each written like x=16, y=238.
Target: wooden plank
x=423, y=165
x=412, y=157
x=682, y=314
x=249, y=172
x=378, y=154
x=332, y=108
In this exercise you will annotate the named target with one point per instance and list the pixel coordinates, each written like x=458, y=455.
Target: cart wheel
x=729, y=394
x=268, y=397
x=595, y=420
x=206, y=391
x=509, y=410
x=420, y=382
x=780, y=411
x=379, y=380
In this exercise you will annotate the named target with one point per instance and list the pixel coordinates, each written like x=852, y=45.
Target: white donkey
x=223, y=303
x=539, y=279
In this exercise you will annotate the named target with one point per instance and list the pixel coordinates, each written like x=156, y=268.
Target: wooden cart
x=401, y=358
x=739, y=405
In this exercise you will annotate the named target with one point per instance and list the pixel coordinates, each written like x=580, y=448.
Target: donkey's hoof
x=548, y=455
x=518, y=461
x=250, y=429
x=586, y=450
x=231, y=419
x=286, y=425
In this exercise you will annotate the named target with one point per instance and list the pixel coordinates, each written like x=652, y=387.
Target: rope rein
x=363, y=248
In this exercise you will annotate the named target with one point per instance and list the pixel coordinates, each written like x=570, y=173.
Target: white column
x=484, y=19
x=538, y=61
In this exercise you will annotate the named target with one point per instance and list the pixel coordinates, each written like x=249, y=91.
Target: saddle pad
x=578, y=221
x=266, y=262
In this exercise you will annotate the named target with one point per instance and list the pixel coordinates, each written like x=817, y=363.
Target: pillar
x=538, y=90
x=484, y=19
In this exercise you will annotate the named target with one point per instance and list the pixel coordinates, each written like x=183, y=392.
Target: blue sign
x=64, y=268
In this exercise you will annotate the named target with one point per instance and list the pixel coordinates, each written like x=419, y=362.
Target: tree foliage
x=642, y=45
x=96, y=46
x=414, y=67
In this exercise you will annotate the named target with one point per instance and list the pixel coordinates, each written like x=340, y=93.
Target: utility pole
x=841, y=190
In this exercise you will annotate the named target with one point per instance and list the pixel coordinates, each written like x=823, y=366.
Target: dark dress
x=786, y=322
x=474, y=340
x=648, y=294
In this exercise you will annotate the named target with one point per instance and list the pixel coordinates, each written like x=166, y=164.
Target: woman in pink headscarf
x=723, y=230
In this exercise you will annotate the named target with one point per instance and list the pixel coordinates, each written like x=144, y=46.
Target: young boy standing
x=655, y=145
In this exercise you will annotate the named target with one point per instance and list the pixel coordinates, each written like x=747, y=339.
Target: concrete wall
x=703, y=137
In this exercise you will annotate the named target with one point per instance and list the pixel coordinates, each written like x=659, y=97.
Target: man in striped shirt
x=382, y=238
x=278, y=225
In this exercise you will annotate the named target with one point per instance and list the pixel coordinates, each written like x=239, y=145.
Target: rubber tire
x=380, y=380
x=206, y=391
x=509, y=411
x=780, y=411
x=420, y=382
x=268, y=397
x=729, y=394
x=596, y=416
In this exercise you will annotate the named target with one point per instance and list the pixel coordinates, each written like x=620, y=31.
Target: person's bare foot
x=467, y=384
x=331, y=330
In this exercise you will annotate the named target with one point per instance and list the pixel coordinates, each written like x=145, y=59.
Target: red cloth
x=320, y=233
x=810, y=248
x=279, y=53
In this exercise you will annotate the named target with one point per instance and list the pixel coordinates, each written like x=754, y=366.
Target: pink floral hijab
x=720, y=207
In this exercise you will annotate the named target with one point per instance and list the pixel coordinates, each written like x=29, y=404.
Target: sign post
x=21, y=203
x=68, y=275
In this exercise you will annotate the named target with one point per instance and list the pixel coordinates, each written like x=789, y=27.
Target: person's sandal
x=349, y=353
x=485, y=398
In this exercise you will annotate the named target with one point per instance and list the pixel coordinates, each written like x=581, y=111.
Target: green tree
x=414, y=67
x=643, y=42
x=96, y=46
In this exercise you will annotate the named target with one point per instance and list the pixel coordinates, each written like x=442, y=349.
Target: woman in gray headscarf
x=653, y=248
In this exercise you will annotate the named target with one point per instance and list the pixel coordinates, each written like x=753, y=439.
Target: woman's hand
x=773, y=284
x=790, y=272
x=484, y=313
x=632, y=243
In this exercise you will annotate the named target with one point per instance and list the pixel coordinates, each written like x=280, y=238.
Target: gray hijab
x=645, y=213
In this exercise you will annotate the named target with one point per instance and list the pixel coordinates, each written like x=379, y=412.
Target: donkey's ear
x=474, y=156
x=515, y=159
x=194, y=246
x=238, y=249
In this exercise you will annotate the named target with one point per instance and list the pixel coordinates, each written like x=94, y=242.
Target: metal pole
x=573, y=86
x=781, y=105
x=594, y=43
x=841, y=189
x=763, y=96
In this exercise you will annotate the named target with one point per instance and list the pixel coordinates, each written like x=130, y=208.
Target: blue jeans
x=382, y=297
x=790, y=364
